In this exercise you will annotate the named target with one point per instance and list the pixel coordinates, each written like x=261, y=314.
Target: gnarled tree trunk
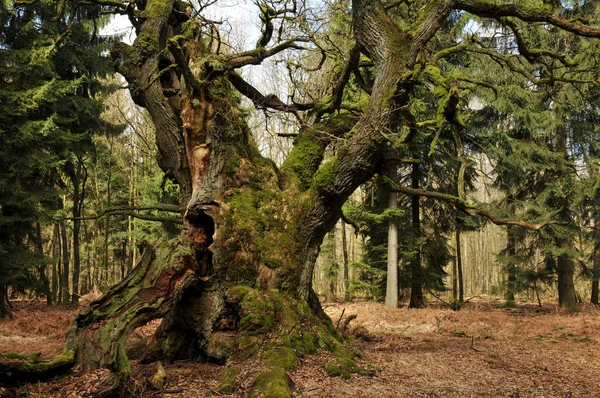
x=240, y=278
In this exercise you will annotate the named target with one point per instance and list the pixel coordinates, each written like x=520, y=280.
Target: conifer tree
x=50, y=66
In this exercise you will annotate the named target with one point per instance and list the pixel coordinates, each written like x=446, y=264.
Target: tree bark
x=345, y=277
x=64, y=276
x=42, y=267
x=416, y=291
x=459, y=268
x=4, y=306
x=511, y=267
x=391, y=291
x=106, y=265
x=567, y=297
x=78, y=183
x=55, y=262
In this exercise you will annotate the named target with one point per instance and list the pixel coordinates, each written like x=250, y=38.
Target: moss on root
x=282, y=357
x=228, y=382
x=274, y=383
x=257, y=311
x=343, y=367
x=21, y=368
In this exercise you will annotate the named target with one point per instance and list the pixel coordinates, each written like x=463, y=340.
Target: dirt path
x=480, y=351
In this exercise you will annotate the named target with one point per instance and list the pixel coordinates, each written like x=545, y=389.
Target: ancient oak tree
x=239, y=279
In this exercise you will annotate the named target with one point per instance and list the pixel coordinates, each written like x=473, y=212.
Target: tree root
x=18, y=370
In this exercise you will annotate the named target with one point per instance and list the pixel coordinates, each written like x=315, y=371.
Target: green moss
x=257, y=310
x=343, y=367
x=35, y=357
x=248, y=346
x=228, y=382
x=272, y=384
x=259, y=317
x=147, y=42
x=308, y=341
x=232, y=165
x=13, y=355
x=221, y=347
x=35, y=366
x=333, y=369
x=282, y=357
x=237, y=293
x=328, y=339
x=325, y=174
x=435, y=74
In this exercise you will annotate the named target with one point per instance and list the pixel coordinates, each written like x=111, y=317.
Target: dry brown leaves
x=34, y=328
x=481, y=351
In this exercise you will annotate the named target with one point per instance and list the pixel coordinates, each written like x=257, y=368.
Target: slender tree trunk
x=55, y=262
x=42, y=268
x=416, y=292
x=391, y=292
x=459, y=268
x=566, y=288
x=4, y=304
x=64, y=280
x=595, y=276
x=78, y=183
x=455, y=278
x=345, y=261
x=106, y=266
x=511, y=267
x=565, y=264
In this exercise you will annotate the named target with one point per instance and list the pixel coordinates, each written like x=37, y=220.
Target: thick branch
x=533, y=54
x=132, y=211
x=492, y=9
x=432, y=17
x=256, y=56
x=471, y=210
x=261, y=101
x=344, y=77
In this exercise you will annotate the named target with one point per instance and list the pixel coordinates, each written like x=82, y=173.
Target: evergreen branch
x=470, y=209
x=478, y=83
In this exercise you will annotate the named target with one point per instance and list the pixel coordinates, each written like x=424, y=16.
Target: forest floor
x=483, y=350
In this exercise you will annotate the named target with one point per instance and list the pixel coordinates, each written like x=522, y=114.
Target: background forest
x=81, y=192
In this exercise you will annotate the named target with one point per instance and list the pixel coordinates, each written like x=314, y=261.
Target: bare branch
x=256, y=56
x=261, y=101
